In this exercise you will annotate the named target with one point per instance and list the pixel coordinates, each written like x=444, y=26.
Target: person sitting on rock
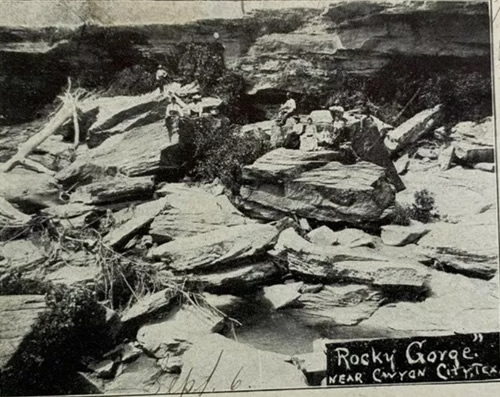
x=309, y=139
x=195, y=107
x=172, y=117
x=161, y=76
x=287, y=109
x=292, y=139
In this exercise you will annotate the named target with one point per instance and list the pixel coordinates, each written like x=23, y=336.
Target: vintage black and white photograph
x=201, y=196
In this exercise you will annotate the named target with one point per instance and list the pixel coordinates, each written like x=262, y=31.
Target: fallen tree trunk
x=62, y=115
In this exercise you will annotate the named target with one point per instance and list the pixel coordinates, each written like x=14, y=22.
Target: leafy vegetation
x=219, y=152
x=73, y=327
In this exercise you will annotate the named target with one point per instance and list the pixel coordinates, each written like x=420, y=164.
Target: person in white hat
x=161, y=76
x=195, y=107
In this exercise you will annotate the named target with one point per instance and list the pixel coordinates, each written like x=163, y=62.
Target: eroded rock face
x=300, y=184
x=360, y=39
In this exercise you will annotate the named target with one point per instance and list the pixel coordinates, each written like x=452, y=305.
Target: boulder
x=474, y=142
x=116, y=111
x=456, y=304
x=239, y=280
x=28, y=190
x=221, y=364
x=282, y=295
x=340, y=264
x=403, y=235
x=413, y=129
x=368, y=145
x=321, y=116
x=18, y=316
x=323, y=235
x=339, y=304
x=469, y=247
x=141, y=216
x=446, y=157
x=221, y=246
x=285, y=164
x=148, y=306
x=20, y=255
x=356, y=193
x=113, y=190
x=140, y=151
x=488, y=167
x=192, y=210
x=185, y=322
x=11, y=219
x=353, y=238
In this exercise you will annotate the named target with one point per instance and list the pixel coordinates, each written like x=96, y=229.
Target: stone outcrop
x=335, y=192
x=360, y=39
x=355, y=265
x=191, y=210
x=224, y=245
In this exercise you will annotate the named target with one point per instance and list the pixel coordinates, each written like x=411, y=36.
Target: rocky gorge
x=129, y=264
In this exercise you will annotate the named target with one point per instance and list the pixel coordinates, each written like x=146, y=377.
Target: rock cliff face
x=307, y=51
x=360, y=39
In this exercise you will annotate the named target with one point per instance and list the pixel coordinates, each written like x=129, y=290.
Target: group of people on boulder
x=177, y=108
x=306, y=136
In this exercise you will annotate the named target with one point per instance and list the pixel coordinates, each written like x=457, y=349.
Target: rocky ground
x=323, y=236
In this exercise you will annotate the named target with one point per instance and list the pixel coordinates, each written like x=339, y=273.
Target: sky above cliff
x=125, y=12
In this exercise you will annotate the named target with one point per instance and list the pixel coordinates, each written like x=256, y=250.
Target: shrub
x=401, y=215
x=73, y=327
x=422, y=209
x=135, y=80
x=220, y=152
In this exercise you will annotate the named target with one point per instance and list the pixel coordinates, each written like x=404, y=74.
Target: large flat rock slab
x=134, y=153
x=456, y=304
x=192, y=210
x=18, y=315
x=356, y=194
x=282, y=164
x=469, y=247
x=340, y=264
x=224, y=245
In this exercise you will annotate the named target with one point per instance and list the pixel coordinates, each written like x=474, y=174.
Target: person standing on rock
x=287, y=109
x=309, y=139
x=172, y=117
x=161, y=76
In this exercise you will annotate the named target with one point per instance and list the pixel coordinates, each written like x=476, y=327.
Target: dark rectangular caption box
x=460, y=357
